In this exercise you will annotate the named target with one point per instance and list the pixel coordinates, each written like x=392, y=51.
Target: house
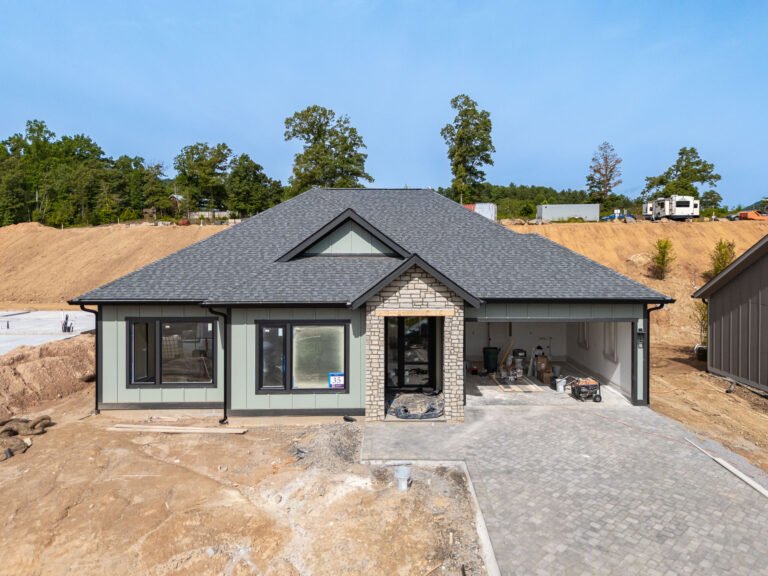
x=737, y=300
x=335, y=299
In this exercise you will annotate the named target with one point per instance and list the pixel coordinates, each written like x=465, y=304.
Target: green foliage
x=662, y=258
x=201, y=174
x=68, y=181
x=722, y=255
x=249, y=189
x=332, y=155
x=710, y=200
x=469, y=147
x=682, y=178
x=604, y=173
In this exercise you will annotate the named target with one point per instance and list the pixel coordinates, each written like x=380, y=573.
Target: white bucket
x=403, y=477
x=560, y=385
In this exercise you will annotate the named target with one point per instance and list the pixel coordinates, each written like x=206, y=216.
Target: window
x=609, y=342
x=318, y=357
x=273, y=356
x=171, y=352
x=303, y=356
x=583, y=335
x=683, y=204
x=187, y=352
x=143, y=344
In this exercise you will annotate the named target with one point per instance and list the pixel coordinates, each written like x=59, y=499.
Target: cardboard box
x=546, y=376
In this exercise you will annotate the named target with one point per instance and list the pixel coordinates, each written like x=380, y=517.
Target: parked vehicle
x=676, y=208
x=648, y=210
x=753, y=215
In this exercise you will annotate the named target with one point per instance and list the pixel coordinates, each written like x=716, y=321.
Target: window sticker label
x=336, y=380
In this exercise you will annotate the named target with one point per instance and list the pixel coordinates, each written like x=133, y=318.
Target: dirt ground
x=43, y=267
x=278, y=500
x=30, y=375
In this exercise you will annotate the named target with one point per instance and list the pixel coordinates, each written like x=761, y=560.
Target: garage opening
x=502, y=351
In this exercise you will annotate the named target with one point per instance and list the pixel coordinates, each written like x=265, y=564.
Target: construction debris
x=417, y=406
x=11, y=431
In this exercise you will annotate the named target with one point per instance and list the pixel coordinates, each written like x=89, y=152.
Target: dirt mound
x=44, y=267
x=33, y=374
x=627, y=249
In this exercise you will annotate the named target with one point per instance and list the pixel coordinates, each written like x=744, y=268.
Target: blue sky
x=146, y=78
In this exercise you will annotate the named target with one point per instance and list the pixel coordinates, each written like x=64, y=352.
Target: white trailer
x=648, y=210
x=676, y=208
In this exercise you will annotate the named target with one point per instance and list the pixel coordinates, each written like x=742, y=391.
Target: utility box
x=559, y=212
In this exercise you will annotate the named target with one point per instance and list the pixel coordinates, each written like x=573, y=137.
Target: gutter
x=96, y=314
x=225, y=341
x=647, y=371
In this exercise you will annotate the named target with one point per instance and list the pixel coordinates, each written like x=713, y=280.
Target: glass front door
x=410, y=352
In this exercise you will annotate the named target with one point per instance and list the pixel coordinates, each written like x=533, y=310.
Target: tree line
x=68, y=180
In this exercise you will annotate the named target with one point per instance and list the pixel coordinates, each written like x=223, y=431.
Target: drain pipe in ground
x=98, y=358
x=225, y=341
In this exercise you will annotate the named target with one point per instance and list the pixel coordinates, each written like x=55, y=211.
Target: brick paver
x=609, y=488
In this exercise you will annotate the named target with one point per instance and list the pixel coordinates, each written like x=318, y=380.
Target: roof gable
x=347, y=234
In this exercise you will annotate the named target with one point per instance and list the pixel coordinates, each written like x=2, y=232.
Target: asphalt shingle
x=239, y=265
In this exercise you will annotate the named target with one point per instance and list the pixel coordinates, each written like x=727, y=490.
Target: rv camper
x=648, y=210
x=676, y=208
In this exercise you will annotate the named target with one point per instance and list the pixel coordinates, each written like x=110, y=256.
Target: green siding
x=245, y=361
x=113, y=349
x=349, y=238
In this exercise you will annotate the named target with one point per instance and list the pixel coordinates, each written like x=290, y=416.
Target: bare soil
x=30, y=375
x=43, y=267
x=278, y=500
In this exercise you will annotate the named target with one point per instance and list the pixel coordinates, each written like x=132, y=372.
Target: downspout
x=647, y=383
x=224, y=339
x=96, y=314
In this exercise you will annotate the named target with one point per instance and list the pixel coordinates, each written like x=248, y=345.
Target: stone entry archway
x=415, y=293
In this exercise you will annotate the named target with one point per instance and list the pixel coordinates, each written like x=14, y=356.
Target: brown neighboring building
x=738, y=318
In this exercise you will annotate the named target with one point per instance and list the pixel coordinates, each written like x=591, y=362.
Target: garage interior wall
x=606, y=354
x=525, y=335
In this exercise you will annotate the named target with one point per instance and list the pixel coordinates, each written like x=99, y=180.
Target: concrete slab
x=595, y=489
x=34, y=328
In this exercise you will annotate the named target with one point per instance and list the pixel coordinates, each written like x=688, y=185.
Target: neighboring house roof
x=752, y=255
x=259, y=260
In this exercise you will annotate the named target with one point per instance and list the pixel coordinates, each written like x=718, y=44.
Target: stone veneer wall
x=415, y=290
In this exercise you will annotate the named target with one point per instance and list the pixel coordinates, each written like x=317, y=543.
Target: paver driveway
x=571, y=488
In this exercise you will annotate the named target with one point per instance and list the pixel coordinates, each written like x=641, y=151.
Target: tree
x=469, y=146
x=682, y=178
x=662, y=258
x=722, y=255
x=711, y=200
x=249, y=189
x=201, y=173
x=604, y=173
x=332, y=155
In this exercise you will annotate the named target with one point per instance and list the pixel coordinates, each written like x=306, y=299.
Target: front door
x=410, y=353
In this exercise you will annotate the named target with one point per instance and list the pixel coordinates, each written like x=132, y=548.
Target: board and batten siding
x=349, y=238
x=245, y=361
x=738, y=327
x=113, y=331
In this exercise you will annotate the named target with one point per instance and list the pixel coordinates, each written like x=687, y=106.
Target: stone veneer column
x=415, y=290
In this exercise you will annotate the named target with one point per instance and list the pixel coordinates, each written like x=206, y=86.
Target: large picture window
x=303, y=356
x=171, y=352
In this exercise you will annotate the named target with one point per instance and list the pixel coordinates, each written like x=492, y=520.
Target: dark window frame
x=288, y=380
x=431, y=353
x=156, y=321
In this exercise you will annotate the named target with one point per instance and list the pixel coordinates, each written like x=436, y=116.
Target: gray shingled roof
x=487, y=260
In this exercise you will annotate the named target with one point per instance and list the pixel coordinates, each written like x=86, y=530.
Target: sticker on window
x=336, y=380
